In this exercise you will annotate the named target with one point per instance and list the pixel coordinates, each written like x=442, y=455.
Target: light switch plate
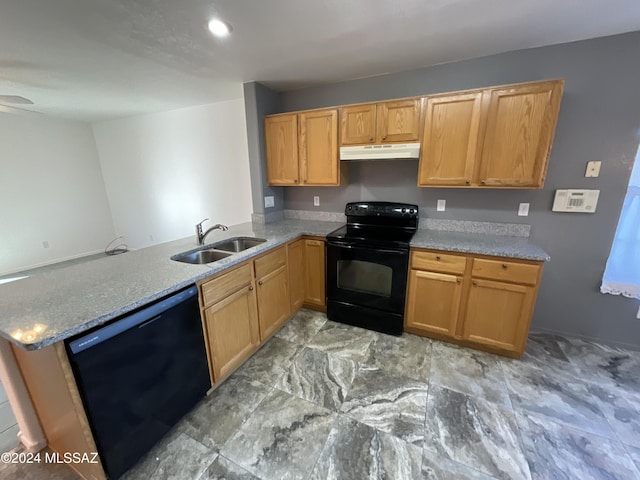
x=593, y=168
x=523, y=210
x=269, y=202
x=316, y=201
x=441, y=205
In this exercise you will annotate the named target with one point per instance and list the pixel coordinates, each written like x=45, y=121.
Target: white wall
x=165, y=172
x=51, y=189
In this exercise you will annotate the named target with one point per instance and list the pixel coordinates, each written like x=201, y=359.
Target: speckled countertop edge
x=72, y=300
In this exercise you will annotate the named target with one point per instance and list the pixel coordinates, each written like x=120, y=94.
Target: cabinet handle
x=384, y=137
x=251, y=288
x=504, y=265
x=371, y=139
x=474, y=283
x=438, y=257
x=483, y=182
x=295, y=181
x=305, y=180
x=468, y=182
x=259, y=282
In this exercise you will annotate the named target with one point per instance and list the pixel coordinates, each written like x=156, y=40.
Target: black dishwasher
x=139, y=375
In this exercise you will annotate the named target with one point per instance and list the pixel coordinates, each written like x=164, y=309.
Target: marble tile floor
x=323, y=400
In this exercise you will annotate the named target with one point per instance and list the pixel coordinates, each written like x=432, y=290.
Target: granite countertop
x=479, y=243
x=53, y=306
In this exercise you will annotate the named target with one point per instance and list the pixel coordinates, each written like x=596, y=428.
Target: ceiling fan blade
x=17, y=99
x=18, y=111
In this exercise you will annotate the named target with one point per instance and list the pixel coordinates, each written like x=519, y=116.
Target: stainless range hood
x=381, y=152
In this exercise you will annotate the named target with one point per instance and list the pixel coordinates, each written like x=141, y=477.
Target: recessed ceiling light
x=219, y=28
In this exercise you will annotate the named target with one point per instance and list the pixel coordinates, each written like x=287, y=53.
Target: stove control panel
x=381, y=209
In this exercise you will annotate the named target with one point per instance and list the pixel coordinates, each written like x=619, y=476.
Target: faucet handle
x=200, y=224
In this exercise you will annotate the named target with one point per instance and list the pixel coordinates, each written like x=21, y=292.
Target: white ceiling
x=99, y=59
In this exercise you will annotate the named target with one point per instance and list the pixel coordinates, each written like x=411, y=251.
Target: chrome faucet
x=200, y=236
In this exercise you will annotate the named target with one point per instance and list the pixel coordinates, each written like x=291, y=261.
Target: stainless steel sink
x=218, y=251
x=238, y=244
x=200, y=256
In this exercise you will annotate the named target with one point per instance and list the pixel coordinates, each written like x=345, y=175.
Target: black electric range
x=367, y=265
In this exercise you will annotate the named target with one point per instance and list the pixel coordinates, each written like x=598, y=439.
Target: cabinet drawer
x=224, y=285
x=440, y=262
x=505, y=270
x=269, y=262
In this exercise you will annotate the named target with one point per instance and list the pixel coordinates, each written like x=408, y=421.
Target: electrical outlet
x=441, y=205
x=45, y=244
x=593, y=169
x=316, y=201
x=269, y=202
x=523, y=210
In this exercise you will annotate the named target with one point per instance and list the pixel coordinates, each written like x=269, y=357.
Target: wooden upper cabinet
x=281, y=137
x=450, y=139
x=398, y=121
x=358, y=124
x=319, y=162
x=521, y=122
x=387, y=122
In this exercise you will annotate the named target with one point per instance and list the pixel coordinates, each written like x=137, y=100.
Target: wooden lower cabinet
x=314, y=273
x=498, y=314
x=433, y=302
x=480, y=302
x=232, y=330
x=273, y=301
x=241, y=308
x=295, y=264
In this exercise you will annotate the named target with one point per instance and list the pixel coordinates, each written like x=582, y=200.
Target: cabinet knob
x=438, y=257
x=259, y=282
x=384, y=137
x=251, y=288
x=474, y=283
x=305, y=180
x=371, y=139
x=458, y=280
x=468, y=182
x=483, y=182
x=504, y=265
x=295, y=181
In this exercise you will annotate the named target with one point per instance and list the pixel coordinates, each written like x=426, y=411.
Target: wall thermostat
x=579, y=201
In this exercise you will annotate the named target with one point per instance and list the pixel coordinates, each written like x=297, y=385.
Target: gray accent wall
x=258, y=102
x=599, y=120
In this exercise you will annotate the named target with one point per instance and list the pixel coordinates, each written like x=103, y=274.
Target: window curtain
x=622, y=274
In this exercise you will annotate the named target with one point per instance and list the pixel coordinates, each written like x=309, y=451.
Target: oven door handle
x=349, y=246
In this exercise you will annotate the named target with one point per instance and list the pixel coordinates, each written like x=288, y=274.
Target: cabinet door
x=232, y=331
x=358, y=124
x=295, y=264
x=433, y=302
x=281, y=136
x=319, y=162
x=450, y=140
x=273, y=301
x=398, y=121
x=498, y=314
x=314, y=273
x=521, y=122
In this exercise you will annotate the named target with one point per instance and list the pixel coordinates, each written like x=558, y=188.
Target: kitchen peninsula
x=39, y=313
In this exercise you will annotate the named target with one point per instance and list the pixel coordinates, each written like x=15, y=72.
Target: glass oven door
x=375, y=277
